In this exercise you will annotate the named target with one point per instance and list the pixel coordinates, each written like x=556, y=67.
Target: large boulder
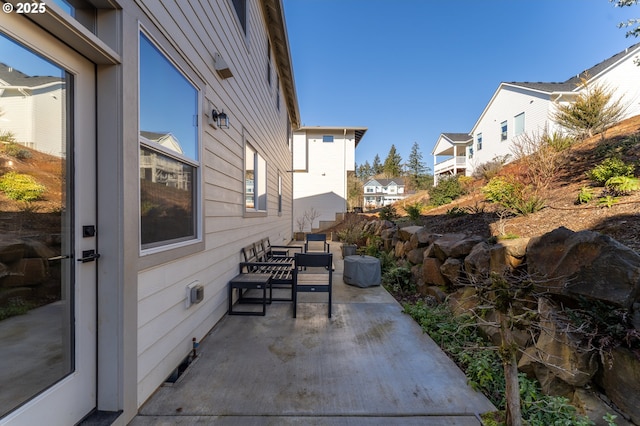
x=559, y=351
x=423, y=238
x=452, y=270
x=477, y=263
x=11, y=250
x=405, y=233
x=620, y=379
x=585, y=264
x=455, y=245
x=431, y=272
x=591, y=405
x=508, y=254
x=399, y=249
x=416, y=255
x=463, y=300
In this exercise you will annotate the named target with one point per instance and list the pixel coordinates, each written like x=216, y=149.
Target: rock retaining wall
x=568, y=267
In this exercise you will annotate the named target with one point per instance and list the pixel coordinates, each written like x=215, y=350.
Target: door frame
x=74, y=395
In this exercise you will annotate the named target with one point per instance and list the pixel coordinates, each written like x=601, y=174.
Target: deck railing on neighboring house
x=459, y=162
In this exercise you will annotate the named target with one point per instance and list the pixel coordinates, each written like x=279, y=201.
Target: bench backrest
x=249, y=253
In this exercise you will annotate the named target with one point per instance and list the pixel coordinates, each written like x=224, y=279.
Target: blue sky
x=412, y=69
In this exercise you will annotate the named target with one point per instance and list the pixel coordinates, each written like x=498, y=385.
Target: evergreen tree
x=392, y=167
x=376, y=168
x=416, y=169
x=595, y=110
x=364, y=172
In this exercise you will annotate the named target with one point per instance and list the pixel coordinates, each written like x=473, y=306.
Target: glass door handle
x=88, y=256
x=51, y=259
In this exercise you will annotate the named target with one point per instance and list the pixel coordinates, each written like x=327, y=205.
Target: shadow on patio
x=369, y=364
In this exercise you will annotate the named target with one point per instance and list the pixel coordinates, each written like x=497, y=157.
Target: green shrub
x=622, y=185
x=388, y=213
x=559, y=141
x=585, y=195
x=414, y=210
x=477, y=208
x=6, y=136
x=398, y=279
x=512, y=195
x=21, y=187
x=387, y=260
x=609, y=168
x=14, y=307
x=608, y=201
x=447, y=190
x=17, y=151
x=456, y=212
x=373, y=247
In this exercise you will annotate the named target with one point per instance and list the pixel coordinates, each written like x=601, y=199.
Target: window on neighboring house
x=470, y=152
x=503, y=131
x=255, y=178
x=327, y=138
x=169, y=151
x=479, y=141
x=369, y=189
x=241, y=10
x=518, y=124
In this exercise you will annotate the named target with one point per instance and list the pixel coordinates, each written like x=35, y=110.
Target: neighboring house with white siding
x=383, y=192
x=157, y=186
x=524, y=107
x=322, y=156
x=22, y=96
x=452, y=150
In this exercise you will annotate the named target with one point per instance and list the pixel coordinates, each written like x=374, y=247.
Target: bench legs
x=250, y=282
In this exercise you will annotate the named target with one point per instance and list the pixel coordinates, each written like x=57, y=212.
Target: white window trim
x=254, y=212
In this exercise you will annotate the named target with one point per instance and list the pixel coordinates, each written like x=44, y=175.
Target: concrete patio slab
x=370, y=364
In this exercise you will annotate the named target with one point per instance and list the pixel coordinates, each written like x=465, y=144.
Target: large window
x=255, y=178
x=518, y=124
x=168, y=151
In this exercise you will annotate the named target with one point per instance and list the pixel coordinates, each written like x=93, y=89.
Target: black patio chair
x=315, y=239
x=312, y=273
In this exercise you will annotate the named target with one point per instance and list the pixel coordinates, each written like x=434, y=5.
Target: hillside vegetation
x=618, y=217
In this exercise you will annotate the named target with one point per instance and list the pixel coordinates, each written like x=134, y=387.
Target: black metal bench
x=273, y=264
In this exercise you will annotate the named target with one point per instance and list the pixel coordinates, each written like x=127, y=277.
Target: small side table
x=361, y=271
x=250, y=282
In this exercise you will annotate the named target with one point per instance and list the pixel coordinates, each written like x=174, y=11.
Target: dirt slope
x=621, y=221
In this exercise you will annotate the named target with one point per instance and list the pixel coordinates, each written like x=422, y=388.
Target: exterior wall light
x=220, y=119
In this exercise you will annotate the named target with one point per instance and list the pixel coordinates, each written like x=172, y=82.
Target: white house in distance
x=525, y=107
x=452, y=146
x=322, y=156
x=383, y=192
x=160, y=195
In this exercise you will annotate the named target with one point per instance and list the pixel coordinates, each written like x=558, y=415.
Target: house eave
x=273, y=13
